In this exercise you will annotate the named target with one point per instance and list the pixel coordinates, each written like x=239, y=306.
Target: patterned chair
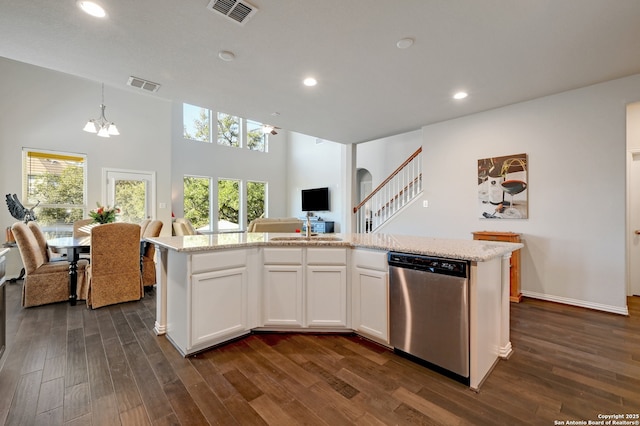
x=44, y=281
x=148, y=263
x=114, y=272
x=183, y=226
x=143, y=226
x=47, y=253
x=82, y=227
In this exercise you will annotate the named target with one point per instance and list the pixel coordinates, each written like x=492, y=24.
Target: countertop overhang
x=472, y=250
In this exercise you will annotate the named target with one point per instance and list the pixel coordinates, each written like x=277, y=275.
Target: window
x=256, y=196
x=197, y=195
x=196, y=122
x=228, y=204
x=233, y=209
x=54, y=181
x=256, y=138
x=230, y=130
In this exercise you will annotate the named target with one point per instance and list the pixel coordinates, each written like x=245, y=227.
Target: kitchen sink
x=303, y=238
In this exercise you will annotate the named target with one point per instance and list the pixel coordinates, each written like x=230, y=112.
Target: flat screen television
x=315, y=200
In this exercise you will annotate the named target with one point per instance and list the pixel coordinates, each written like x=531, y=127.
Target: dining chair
x=183, y=226
x=114, y=274
x=48, y=254
x=143, y=226
x=44, y=281
x=82, y=228
x=147, y=261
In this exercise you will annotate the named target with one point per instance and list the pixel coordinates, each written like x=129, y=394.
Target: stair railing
x=400, y=187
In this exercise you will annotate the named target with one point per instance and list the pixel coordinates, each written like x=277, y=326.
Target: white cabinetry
x=326, y=287
x=282, y=287
x=214, y=288
x=304, y=287
x=370, y=294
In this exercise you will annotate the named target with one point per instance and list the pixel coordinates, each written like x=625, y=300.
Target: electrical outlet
x=425, y=203
x=162, y=205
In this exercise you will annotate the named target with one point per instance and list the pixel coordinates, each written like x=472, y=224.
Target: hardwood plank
x=51, y=395
x=76, y=371
x=125, y=388
x=77, y=401
x=22, y=410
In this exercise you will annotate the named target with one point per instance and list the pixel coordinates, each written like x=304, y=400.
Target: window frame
x=28, y=178
x=243, y=133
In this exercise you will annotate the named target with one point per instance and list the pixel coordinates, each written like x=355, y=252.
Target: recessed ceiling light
x=404, y=43
x=226, y=56
x=92, y=9
x=310, y=81
x=460, y=95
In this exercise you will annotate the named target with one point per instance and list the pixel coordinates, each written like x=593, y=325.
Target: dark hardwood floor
x=73, y=366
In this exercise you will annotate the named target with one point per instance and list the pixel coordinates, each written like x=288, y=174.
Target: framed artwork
x=503, y=187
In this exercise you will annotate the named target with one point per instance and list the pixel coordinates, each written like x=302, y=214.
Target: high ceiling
x=500, y=51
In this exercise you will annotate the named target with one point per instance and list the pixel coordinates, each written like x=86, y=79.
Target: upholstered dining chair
x=143, y=226
x=147, y=262
x=183, y=226
x=44, y=281
x=113, y=275
x=82, y=227
x=47, y=253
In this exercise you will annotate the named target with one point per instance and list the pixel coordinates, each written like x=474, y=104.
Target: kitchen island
x=217, y=287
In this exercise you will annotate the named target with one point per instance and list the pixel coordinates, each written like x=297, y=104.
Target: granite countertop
x=473, y=250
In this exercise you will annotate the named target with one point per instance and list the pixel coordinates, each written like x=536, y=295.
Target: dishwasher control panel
x=457, y=268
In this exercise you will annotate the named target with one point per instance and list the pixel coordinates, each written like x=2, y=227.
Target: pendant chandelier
x=101, y=125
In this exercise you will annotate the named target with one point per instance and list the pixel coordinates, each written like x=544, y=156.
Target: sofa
x=278, y=224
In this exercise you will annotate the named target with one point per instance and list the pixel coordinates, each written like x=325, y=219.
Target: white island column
x=505, y=339
x=162, y=254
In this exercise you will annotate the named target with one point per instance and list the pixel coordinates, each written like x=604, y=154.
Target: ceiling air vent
x=236, y=11
x=143, y=84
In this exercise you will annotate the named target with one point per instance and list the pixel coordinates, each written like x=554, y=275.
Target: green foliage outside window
x=65, y=188
x=228, y=130
x=229, y=200
x=196, y=200
x=256, y=193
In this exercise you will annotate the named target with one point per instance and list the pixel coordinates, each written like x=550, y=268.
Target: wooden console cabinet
x=508, y=237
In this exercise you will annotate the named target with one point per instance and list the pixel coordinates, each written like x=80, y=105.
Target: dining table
x=73, y=246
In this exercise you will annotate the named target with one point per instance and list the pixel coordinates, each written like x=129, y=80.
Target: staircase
x=395, y=192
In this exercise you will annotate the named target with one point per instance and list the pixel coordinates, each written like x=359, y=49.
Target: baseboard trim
x=576, y=302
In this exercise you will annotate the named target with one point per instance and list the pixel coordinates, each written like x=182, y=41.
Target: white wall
x=44, y=109
x=575, y=235
x=223, y=162
x=315, y=165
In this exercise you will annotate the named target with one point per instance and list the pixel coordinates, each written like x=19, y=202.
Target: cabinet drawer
x=326, y=256
x=218, y=260
x=282, y=256
x=369, y=259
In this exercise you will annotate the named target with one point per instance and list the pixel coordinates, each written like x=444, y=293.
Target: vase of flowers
x=104, y=214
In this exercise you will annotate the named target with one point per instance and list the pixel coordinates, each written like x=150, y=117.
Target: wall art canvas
x=503, y=187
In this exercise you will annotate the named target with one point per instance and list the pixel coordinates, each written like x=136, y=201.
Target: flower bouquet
x=104, y=214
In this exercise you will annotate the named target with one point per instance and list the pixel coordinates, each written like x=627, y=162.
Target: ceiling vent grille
x=143, y=84
x=237, y=11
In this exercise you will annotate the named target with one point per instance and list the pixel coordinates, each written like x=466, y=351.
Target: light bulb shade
x=267, y=129
x=90, y=127
x=103, y=132
x=113, y=130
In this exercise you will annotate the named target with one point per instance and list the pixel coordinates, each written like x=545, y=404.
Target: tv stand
x=320, y=226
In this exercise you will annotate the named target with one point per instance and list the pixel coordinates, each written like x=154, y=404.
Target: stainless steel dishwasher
x=429, y=311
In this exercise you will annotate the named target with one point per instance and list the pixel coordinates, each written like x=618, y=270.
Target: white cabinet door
x=218, y=305
x=326, y=296
x=370, y=303
x=282, y=295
